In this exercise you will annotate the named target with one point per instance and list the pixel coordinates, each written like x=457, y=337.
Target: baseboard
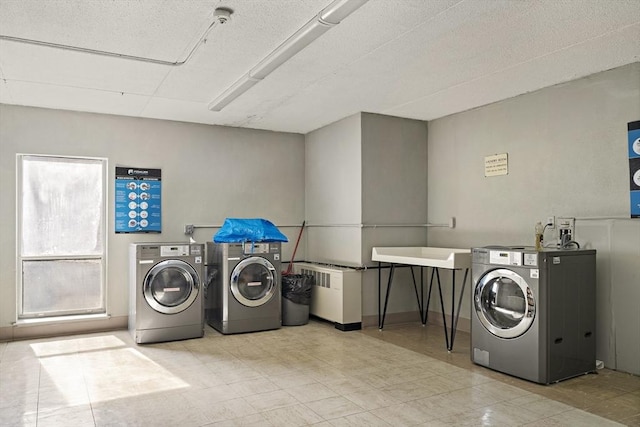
x=44, y=330
x=434, y=318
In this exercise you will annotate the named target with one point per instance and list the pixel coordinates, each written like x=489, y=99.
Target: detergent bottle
x=539, y=236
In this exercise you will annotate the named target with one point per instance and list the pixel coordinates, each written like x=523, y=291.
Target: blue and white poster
x=138, y=200
x=634, y=167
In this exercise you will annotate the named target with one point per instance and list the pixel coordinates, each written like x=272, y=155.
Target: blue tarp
x=240, y=230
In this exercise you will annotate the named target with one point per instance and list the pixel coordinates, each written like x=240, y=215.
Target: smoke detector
x=222, y=15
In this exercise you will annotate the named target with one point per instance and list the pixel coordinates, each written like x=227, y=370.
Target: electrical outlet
x=551, y=222
x=566, y=225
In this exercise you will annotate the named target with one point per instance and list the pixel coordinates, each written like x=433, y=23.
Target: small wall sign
x=496, y=165
x=138, y=200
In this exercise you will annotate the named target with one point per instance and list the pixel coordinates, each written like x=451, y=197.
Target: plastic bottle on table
x=539, y=238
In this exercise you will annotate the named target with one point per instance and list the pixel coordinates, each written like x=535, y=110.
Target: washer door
x=171, y=286
x=504, y=303
x=253, y=281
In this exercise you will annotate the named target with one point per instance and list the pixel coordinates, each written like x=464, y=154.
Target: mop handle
x=295, y=249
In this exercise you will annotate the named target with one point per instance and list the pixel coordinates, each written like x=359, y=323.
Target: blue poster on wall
x=138, y=200
x=634, y=167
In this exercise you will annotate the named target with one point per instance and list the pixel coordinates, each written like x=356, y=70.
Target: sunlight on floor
x=100, y=369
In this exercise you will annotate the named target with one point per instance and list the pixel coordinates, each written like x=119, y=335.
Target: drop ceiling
x=420, y=59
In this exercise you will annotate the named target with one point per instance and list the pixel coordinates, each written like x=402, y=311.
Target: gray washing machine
x=243, y=292
x=165, y=285
x=533, y=313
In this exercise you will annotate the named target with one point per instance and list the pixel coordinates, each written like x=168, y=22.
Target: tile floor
x=304, y=375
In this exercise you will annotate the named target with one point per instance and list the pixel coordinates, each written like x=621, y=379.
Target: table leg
x=379, y=299
x=426, y=311
x=415, y=288
x=444, y=316
x=450, y=334
x=423, y=315
x=455, y=322
x=386, y=298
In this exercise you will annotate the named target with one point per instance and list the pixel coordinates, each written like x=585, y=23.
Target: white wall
x=567, y=148
x=333, y=196
x=208, y=173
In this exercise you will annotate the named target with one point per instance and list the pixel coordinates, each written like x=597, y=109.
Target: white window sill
x=61, y=319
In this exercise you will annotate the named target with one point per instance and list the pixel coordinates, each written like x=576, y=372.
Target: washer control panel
x=174, y=250
x=505, y=257
x=256, y=248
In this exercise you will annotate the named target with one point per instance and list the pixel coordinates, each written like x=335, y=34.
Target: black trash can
x=296, y=298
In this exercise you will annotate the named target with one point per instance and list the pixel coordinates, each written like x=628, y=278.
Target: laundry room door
x=171, y=286
x=504, y=303
x=253, y=281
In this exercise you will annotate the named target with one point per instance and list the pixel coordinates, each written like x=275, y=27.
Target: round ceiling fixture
x=222, y=15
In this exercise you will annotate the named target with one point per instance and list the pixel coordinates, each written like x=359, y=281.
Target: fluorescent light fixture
x=294, y=44
x=237, y=89
x=320, y=24
x=339, y=9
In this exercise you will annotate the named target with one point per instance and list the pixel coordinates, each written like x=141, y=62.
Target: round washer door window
x=504, y=303
x=171, y=286
x=253, y=281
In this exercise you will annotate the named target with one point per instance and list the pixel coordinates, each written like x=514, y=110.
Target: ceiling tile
x=77, y=99
x=409, y=58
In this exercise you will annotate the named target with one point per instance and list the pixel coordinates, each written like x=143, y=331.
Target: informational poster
x=634, y=167
x=496, y=165
x=138, y=200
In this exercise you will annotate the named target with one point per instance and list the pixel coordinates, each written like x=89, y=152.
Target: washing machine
x=533, y=313
x=166, y=300
x=244, y=290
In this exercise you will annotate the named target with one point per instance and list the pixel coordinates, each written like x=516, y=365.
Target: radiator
x=336, y=296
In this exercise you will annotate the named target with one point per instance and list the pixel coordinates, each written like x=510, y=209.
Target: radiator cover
x=336, y=296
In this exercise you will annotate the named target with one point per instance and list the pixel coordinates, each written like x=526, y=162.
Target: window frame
x=20, y=258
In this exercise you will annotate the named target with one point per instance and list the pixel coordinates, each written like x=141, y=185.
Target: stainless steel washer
x=244, y=293
x=533, y=313
x=165, y=300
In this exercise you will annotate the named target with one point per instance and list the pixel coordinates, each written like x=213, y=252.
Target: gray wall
x=567, y=157
x=567, y=148
x=366, y=169
x=208, y=173
x=394, y=191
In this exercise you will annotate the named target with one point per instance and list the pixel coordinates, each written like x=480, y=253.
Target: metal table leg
x=386, y=298
x=379, y=307
x=454, y=325
x=419, y=297
x=426, y=307
x=450, y=335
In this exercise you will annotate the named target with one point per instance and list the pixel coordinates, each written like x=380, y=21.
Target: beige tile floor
x=304, y=375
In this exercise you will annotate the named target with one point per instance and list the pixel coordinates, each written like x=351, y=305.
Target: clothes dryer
x=165, y=283
x=533, y=313
x=244, y=294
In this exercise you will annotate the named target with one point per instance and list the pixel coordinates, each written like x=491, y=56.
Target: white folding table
x=435, y=258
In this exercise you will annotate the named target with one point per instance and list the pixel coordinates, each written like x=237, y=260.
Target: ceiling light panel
x=338, y=9
x=257, y=27
x=239, y=87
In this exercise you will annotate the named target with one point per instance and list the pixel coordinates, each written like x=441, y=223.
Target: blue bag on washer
x=239, y=230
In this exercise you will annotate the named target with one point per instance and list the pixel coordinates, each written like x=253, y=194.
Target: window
x=61, y=235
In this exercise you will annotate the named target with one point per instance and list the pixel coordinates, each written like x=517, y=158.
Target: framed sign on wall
x=138, y=200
